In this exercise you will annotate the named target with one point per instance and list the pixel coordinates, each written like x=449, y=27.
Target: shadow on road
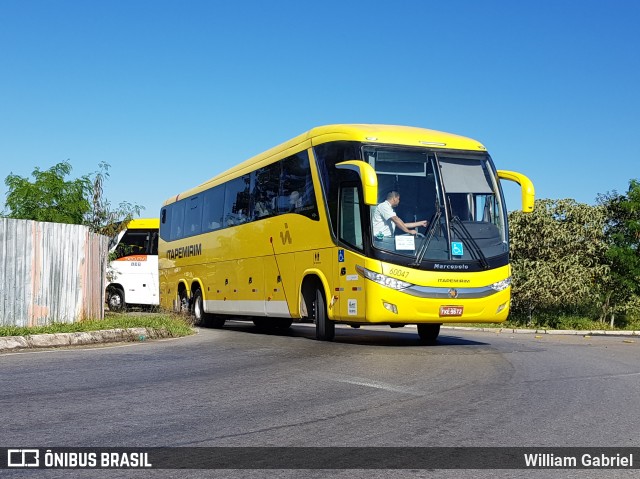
x=381, y=336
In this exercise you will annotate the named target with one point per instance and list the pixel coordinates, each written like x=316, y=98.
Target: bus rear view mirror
x=528, y=192
x=368, y=178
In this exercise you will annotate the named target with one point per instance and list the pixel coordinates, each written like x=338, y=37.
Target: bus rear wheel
x=325, y=328
x=428, y=333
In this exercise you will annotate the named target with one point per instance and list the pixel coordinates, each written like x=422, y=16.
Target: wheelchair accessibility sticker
x=457, y=248
x=340, y=256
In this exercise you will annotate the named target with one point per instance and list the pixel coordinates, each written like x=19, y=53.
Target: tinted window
x=266, y=191
x=193, y=218
x=165, y=223
x=350, y=224
x=213, y=209
x=296, y=192
x=236, y=201
x=177, y=220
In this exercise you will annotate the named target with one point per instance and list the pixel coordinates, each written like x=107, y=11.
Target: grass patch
x=577, y=323
x=176, y=325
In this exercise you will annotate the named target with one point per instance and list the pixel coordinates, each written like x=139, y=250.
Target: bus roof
x=143, y=223
x=373, y=134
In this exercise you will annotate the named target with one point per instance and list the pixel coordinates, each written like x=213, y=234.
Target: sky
x=170, y=93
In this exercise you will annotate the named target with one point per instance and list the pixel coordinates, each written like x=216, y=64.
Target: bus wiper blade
x=431, y=230
x=467, y=239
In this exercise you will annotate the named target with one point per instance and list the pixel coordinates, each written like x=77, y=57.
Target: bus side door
x=350, y=289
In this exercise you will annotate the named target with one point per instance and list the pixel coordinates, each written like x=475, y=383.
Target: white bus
x=132, y=278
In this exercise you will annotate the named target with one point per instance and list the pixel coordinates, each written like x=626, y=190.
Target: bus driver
x=385, y=219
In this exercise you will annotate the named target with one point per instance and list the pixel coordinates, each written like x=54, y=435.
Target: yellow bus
x=289, y=234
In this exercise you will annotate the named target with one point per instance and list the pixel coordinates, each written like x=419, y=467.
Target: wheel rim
x=115, y=301
x=197, y=308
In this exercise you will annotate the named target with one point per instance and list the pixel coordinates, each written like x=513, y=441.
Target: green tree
x=50, y=197
x=622, y=231
x=102, y=218
x=557, y=254
x=53, y=197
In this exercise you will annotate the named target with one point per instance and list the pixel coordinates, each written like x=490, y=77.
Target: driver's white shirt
x=381, y=220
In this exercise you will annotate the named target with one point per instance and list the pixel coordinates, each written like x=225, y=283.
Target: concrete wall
x=50, y=272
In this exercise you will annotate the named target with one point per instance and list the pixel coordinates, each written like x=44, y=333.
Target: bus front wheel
x=428, y=333
x=325, y=328
x=116, y=300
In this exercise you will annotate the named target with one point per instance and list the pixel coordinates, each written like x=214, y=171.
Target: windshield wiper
x=467, y=239
x=428, y=236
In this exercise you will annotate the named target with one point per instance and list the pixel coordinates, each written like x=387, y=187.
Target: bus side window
x=212, y=209
x=297, y=193
x=350, y=227
x=194, y=216
x=177, y=220
x=165, y=224
x=265, y=190
x=236, y=201
x=153, y=246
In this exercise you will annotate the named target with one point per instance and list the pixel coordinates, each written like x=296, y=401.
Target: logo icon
x=285, y=236
x=457, y=248
x=23, y=458
x=453, y=293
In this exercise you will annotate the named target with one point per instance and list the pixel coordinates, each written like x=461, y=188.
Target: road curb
x=40, y=341
x=16, y=343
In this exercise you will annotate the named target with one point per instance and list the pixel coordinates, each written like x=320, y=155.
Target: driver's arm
x=406, y=226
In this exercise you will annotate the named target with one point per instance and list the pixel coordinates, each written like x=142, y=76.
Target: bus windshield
x=456, y=193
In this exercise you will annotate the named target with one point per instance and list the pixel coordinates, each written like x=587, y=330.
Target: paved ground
x=372, y=387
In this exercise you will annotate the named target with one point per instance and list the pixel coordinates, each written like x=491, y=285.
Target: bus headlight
x=501, y=285
x=382, y=279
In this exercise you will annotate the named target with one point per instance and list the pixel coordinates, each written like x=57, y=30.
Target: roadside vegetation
x=577, y=323
x=576, y=266
x=174, y=324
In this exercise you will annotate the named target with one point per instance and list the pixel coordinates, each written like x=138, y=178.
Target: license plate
x=451, y=310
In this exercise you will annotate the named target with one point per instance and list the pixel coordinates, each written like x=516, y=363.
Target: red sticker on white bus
x=451, y=310
x=137, y=257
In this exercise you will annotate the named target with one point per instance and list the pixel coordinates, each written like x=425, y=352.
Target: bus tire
x=116, y=300
x=183, y=302
x=325, y=328
x=205, y=319
x=198, y=308
x=428, y=333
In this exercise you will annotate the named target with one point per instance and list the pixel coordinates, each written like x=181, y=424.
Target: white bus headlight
x=382, y=279
x=501, y=285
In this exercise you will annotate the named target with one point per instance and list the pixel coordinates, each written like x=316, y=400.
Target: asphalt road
x=372, y=387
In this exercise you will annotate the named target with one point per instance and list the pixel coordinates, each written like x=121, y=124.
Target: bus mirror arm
x=368, y=178
x=528, y=192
